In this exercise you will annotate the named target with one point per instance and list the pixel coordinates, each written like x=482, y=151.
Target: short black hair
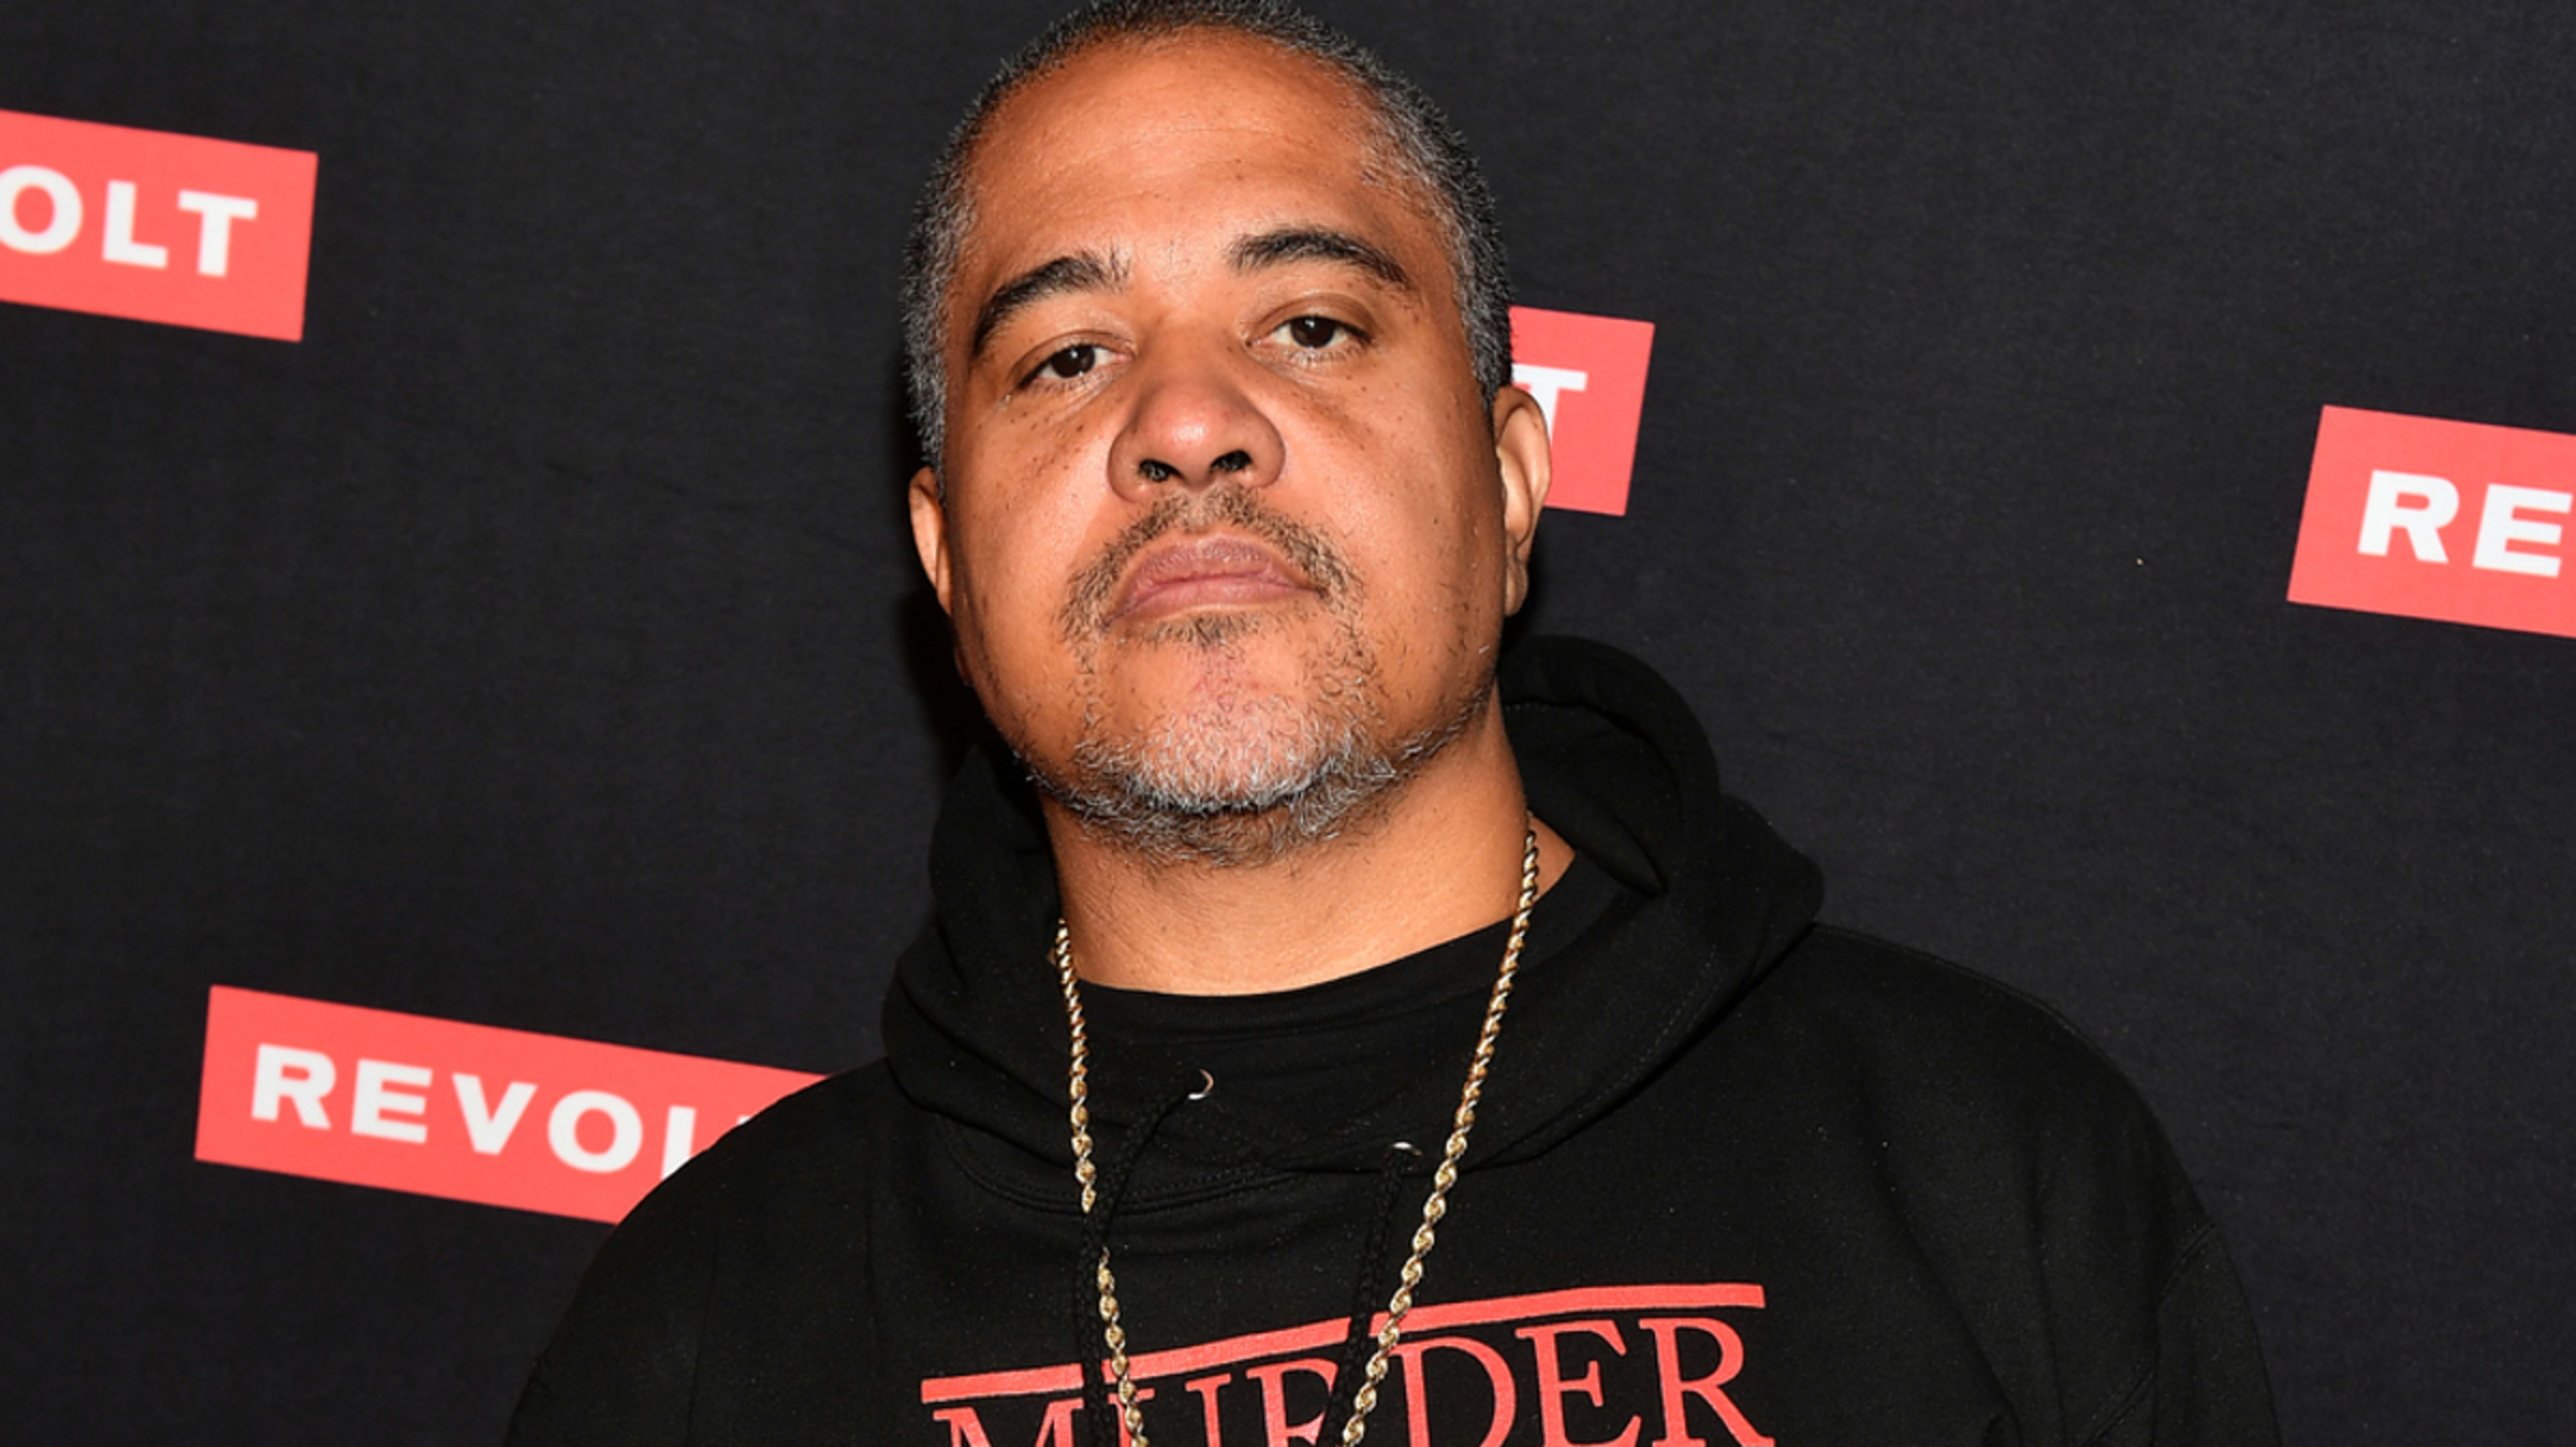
x=1424, y=148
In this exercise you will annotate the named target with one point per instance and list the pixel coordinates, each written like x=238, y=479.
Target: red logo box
x=469, y=1112
x=1589, y=376
x=2427, y=518
x=153, y=226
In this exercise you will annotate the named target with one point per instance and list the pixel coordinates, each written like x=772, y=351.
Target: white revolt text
x=119, y=241
x=391, y=1100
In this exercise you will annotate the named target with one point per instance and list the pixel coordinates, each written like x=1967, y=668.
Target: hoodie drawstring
x=1366, y=1282
x=1101, y=1413
x=1367, y=1288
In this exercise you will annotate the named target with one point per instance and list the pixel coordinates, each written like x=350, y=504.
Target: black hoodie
x=1737, y=1178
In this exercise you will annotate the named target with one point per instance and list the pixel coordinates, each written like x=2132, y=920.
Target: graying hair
x=1420, y=143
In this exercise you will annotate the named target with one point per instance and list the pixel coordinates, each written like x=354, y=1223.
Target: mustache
x=1086, y=606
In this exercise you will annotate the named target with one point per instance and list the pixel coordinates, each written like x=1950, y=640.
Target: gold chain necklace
x=1365, y=1400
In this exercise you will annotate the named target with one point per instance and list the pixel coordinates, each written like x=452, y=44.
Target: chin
x=1229, y=784
x=1227, y=673
x=1234, y=754
x=1237, y=780
x=1223, y=737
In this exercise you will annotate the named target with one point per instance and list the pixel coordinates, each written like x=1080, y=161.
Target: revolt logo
x=469, y=1112
x=1589, y=376
x=2426, y=518
x=153, y=226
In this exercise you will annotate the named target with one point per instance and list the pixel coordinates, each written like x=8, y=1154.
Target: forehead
x=1129, y=139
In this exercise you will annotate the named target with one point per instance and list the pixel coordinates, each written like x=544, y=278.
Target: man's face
x=1226, y=527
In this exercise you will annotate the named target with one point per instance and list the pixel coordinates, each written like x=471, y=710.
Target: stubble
x=1236, y=776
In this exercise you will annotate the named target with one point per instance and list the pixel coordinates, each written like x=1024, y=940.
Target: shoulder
x=2030, y=1175
x=826, y=1123
x=1975, y=1097
x=624, y=1363
x=1919, y=1024
x=1990, y=1117
x=812, y=1152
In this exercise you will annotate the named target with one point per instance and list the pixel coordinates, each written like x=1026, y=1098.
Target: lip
x=1210, y=571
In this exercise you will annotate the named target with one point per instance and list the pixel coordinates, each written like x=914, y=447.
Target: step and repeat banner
x=473, y=719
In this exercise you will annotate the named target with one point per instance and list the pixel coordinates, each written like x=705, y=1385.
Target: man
x=1347, y=1037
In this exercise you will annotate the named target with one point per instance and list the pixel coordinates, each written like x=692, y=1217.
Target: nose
x=1194, y=421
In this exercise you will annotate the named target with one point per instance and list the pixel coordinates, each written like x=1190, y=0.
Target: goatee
x=1235, y=778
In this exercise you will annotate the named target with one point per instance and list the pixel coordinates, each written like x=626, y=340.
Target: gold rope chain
x=1365, y=1400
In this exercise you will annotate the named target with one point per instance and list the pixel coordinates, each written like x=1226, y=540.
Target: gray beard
x=1237, y=782
x=1250, y=784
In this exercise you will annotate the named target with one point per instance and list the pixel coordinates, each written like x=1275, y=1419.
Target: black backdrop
x=537, y=642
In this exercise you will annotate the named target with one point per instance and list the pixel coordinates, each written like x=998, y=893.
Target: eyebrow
x=1095, y=271
x=1081, y=271
x=1315, y=243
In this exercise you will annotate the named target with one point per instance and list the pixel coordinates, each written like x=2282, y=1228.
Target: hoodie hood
x=1611, y=758
x=1729, y=1167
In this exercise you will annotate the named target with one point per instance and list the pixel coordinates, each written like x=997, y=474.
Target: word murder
x=1551, y=1370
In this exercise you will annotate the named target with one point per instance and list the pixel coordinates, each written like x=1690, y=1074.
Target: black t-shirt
x=1310, y=1057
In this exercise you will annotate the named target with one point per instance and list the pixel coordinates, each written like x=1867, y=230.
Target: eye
x=1314, y=334
x=1068, y=364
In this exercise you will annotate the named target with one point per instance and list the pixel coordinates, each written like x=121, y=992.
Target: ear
x=930, y=531
x=1521, y=449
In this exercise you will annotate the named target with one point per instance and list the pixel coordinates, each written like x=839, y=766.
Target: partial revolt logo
x=1589, y=376
x=153, y=226
x=468, y=1112
x=2426, y=518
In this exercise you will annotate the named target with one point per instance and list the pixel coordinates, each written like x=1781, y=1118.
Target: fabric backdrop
x=537, y=642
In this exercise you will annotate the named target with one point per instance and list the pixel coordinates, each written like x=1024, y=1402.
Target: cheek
x=1004, y=613
x=1429, y=536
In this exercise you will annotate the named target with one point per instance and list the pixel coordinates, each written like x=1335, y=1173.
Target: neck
x=1438, y=858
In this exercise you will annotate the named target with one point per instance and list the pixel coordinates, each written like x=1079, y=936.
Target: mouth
x=1219, y=570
